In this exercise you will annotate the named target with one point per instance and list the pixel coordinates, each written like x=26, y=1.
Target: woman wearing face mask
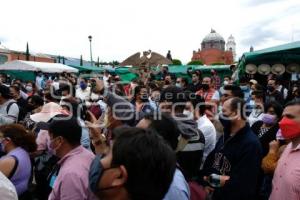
x=141, y=102
x=17, y=143
x=267, y=128
x=31, y=88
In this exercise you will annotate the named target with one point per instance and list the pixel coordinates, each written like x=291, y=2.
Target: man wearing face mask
x=207, y=91
x=233, y=166
x=70, y=180
x=272, y=93
x=257, y=111
x=83, y=92
x=287, y=178
x=218, y=93
x=245, y=87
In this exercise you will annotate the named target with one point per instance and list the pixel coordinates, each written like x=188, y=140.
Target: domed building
x=213, y=50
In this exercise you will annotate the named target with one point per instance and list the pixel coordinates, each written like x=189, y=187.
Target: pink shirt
x=286, y=181
x=72, y=182
x=43, y=140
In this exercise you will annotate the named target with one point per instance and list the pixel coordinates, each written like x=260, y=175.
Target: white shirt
x=285, y=91
x=210, y=134
x=255, y=115
x=105, y=81
x=83, y=94
x=12, y=115
x=217, y=94
x=7, y=189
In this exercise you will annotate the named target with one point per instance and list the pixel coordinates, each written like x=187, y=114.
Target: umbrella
x=148, y=59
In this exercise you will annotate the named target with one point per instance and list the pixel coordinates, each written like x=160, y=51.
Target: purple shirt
x=21, y=177
x=72, y=182
x=286, y=181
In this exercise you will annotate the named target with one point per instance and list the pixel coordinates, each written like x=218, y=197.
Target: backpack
x=9, y=105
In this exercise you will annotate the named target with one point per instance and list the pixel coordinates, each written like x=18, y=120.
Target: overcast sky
x=123, y=27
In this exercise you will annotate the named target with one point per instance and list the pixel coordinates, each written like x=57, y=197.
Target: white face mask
x=95, y=97
x=28, y=88
x=178, y=85
x=133, y=85
x=226, y=82
x=189, y=114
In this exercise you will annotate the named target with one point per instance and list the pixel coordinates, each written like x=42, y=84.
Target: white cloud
x=120, y=28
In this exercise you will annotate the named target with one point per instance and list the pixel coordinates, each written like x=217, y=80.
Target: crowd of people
x=68, y=137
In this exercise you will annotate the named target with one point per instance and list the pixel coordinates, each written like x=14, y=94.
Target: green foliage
x=195, y=62
x=176, y=62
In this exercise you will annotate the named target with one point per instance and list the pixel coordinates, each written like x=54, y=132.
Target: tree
x=81, y=61
x=176, y=62
x=27, y=52
x=195, y=62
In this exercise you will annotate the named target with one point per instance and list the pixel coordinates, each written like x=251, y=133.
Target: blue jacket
x=240, y=158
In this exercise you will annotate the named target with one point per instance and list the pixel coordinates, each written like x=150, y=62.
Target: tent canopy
x=20, y=65
x=284, y=54
x=87, y=68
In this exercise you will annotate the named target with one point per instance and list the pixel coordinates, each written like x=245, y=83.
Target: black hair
x=293, y=103
x=174, y=95
x=36, y=100
x=229, y=77
x=236, y=90
x=244, y=79
x=258, y=94
x=149, y=161
x=197, y=73
x=259, y=87
x=238, y=105
x=137, y=90
x=199, y=100
x=152, y=86
x=72, y=105
x=185, y=81
x=19, y=136
x=66, y=127
x=16, y=88
x=278, y=109
x=166, y=127
x=64, y=87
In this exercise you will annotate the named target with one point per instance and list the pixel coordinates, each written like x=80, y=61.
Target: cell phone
x=214, y=181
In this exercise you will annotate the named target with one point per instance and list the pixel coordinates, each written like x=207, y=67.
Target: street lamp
x=90, y=39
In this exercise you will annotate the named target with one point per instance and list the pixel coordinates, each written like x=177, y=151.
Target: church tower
x=231, y=46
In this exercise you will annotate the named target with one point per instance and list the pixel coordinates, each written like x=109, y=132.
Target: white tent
x=20, y=65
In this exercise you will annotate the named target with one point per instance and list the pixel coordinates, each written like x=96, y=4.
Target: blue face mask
x=83, y=86
x=95, y=174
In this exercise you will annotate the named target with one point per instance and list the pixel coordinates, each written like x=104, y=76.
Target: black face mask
x=270, y=88
x=226, y=123
x=205, y=86
x=167, y=82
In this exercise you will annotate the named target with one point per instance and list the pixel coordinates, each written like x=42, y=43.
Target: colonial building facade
x=213, y=50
